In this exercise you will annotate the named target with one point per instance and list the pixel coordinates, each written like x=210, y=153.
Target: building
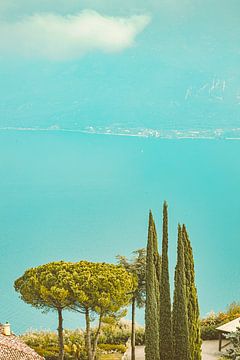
x=12, y=348
x=227, y=328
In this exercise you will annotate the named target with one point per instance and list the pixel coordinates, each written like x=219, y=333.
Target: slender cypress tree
x=152, y=291
x=192, y=299
x=157, y=264
x=158, y=272
x=181, y=347
x=165, y=322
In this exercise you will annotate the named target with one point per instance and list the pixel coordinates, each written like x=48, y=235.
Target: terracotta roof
x=231, y=326
x=12, y=348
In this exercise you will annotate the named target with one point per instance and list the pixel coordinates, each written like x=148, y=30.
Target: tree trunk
x=133, y=329
x=96, y=338
x=88, y=336
x=60, y=335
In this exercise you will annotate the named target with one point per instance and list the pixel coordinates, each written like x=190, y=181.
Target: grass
x=111, y=357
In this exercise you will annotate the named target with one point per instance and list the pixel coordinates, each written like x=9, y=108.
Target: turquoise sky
x=180, y=69
x=154, y=72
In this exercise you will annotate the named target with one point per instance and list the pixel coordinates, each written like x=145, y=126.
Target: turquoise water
x=169, y=103
x=79, y=196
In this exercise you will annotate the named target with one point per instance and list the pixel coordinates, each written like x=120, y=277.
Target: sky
x=107, y=109
x=63, y=62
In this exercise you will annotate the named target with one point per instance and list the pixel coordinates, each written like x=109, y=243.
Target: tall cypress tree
x=181, y=347
x=152, y=297
x=157, y=264
x=158, y=273
x=165, y=322
x=192, y=299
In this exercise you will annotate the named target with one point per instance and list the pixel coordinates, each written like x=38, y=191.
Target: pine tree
x=152, y=291
x=192, y=299
x=181, y=348
x=137, y=267
x=165, y=322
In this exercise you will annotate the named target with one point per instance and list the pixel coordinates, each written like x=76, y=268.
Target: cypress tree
x=192, y=299
x=157, y=264
x=158, y=273
x=181, y=347
x=165, y=322
x=152, y=291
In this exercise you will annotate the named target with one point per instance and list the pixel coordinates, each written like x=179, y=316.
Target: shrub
x=45, y=343
x=120, y=333
x=48, y=354
x=212, y=321
x=209, y=332
x=40, y=339
x=234, y=350
x=113, y=348
x=114, y=336
x=140, y=336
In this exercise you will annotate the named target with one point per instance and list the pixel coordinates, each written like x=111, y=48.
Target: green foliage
x=46, y=286
x=140, y=336
x=48, y=354
x=99, y=290
x=209, y=332
x=113, y=338
x=165, y=333
x=41, y=339
x=114, y=335
x=233, y=310
x=180, y=316
x=192, y=299
x=137, y=267
x=96, y=289
x=102, y=288
x=152, y=296
x=45, y=343
x=120, y=334
x=234, y=350
x=114, y=356
x=75, y=344
x=113, y=348
x=212, y=321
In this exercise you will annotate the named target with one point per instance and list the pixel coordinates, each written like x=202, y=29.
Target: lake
x=72, y=196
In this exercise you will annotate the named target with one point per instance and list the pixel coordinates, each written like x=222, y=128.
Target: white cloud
x=57, y=37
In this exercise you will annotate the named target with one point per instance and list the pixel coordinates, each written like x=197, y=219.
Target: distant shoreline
x=191, y=134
